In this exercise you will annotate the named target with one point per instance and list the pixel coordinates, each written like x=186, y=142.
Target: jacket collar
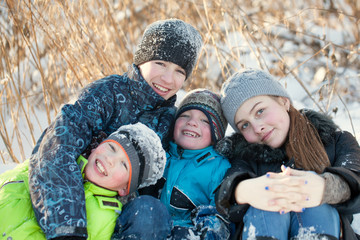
x=197, y=155
x=106, y=198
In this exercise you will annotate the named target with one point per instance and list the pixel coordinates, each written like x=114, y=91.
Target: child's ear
x=123, y=192
x=286, y=102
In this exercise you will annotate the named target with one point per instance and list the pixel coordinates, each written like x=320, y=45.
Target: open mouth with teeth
x=160, y=88
x=191, y=134
x=100, y=168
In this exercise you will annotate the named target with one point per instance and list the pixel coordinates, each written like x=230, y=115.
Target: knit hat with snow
x=209, y=103
x=145, y=154
x=170, y=40
x=244, y=85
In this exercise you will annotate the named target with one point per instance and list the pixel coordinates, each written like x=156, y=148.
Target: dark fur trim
x=236, y=147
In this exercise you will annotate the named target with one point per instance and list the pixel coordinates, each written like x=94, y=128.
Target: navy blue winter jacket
x=55, y=180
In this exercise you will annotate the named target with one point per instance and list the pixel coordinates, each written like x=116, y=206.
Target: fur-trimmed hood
x=235, y=146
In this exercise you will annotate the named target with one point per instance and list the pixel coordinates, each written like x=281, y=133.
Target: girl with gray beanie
x=146, y=93
x=294, y=175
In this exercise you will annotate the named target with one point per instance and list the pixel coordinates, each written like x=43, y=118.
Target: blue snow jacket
x=192, y=177
x=55, y=181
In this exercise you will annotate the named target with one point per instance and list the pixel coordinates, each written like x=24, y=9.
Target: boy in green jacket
x=130, y=158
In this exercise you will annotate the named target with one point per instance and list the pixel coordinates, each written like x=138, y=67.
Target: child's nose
x=192, y=122
x=258, y=127
x=167, y=76
x=111, y=161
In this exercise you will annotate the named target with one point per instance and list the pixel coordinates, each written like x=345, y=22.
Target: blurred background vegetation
x=50, y=49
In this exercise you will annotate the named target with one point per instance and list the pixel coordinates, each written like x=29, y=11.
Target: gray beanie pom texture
x=144, y=149
x=170, y=40
x=244, y=85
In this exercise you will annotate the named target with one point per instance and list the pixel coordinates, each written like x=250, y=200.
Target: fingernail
x=303, y=210
x=307, y=198
x=306, y=182
x=282, y=212
x=267, y=188
x=268, y=175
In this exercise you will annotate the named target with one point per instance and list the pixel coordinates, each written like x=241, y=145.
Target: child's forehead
x=113, y=143
x=195, y=111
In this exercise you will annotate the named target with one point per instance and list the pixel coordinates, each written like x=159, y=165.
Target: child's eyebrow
x=251, y=110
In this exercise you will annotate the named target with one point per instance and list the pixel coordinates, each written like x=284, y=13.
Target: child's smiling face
x=109, y=167
x=165, y=78
x=192, y=130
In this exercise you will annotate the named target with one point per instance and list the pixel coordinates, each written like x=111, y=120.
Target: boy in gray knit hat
x=138, y=149
x=130, y=158
x=146, y=93
x=194, y=169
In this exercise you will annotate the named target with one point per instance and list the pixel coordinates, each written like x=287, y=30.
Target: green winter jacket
x=17, y=219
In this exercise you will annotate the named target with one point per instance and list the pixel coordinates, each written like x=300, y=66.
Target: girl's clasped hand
x=295, y=190
x=289, y=190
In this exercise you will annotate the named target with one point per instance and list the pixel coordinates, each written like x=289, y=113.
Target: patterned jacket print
x=253, y=160
x=102, y=207
x=191, y=179
x=104, y=105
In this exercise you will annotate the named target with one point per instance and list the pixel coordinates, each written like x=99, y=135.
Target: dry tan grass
x=50, y=49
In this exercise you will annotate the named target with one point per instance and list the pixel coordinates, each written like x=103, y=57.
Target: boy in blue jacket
x=163, y=60
x=130, y=158
x=194, y=170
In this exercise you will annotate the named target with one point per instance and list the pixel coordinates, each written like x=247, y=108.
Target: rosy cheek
x=251, y=138
x=120, y=176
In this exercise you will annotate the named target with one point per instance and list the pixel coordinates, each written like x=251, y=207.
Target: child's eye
x=205, y=121
x=260, y=111
x=112, y=147
x=160, y=63
x=244, y=126
x=125, y=165
x=182, y=72
x=184, y=115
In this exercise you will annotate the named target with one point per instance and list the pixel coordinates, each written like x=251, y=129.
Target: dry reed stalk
x=51, y=49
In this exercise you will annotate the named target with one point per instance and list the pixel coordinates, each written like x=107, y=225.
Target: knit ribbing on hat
x=170, y=40
x=209, y=103
x=144, y=149
x=244, y=85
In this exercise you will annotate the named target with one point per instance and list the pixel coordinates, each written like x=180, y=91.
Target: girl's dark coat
x=253, y=160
